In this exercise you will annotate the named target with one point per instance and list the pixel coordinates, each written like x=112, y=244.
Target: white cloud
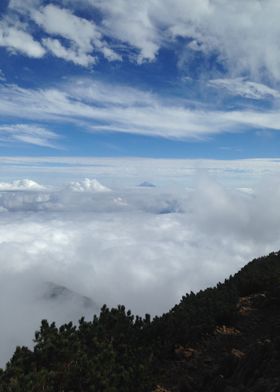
x=17, y=40
x=83, y=35
x=103, y=107
x=122, y=96
x=243, y=35
x=21, y=185
x=132, y=22
x=68, y=54
x=59, y=21
x=24, y=6
x=87, y=185
x=126, y=246
x=245, y=88
x=28, y=133
x=129, y=172
x=2, y=76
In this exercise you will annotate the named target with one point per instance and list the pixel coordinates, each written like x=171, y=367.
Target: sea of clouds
x=67, y=249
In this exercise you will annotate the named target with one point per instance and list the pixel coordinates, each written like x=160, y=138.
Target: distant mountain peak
x=147, y=184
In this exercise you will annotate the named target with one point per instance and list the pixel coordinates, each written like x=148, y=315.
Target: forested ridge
x=225, y=338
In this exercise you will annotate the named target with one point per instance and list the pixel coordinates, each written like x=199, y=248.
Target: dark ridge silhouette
x=222, y=339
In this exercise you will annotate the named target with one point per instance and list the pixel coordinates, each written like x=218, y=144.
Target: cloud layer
x=100, y=107
x=143, y=247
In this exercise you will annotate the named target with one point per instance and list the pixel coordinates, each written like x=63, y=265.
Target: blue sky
x=170, y=79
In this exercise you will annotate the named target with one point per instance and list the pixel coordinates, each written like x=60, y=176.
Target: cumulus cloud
x=69, y=54
x=138, y=30
x=19, y=41
x=87, y=185
x=82, y=34
x=143, y=247
x=243, y=36
x=62, y=22
x=21, y=185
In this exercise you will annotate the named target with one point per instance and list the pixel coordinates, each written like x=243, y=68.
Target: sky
x=161, y=79
x=139, y=153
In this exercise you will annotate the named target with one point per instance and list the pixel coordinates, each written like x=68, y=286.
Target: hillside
x=225, y=338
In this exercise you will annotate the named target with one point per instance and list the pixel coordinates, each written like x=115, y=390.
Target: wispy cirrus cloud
x=2, y=76
x=28, y=133
x=102, y=107
x=244, y=88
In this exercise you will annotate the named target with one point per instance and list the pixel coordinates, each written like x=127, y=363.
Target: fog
x=65, y=250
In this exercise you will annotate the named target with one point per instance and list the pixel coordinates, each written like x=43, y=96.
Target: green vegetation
x=197, y=346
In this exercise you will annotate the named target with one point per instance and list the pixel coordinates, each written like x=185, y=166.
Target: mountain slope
x=225, y=338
